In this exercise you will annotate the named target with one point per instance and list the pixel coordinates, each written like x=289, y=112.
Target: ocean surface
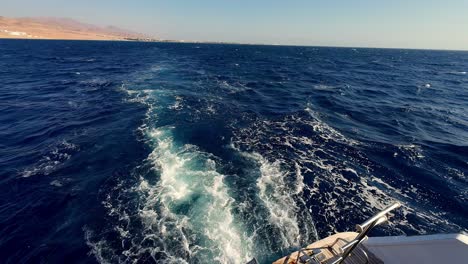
x=125, y=152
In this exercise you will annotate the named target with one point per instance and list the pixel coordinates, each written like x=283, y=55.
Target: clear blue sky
x=370, y=23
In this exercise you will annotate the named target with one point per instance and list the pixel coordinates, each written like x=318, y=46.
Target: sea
x=128, y=152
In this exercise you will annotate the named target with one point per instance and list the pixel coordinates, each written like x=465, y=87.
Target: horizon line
x=237, y=43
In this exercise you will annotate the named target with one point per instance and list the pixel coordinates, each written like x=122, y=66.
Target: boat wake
x=183, y=211
x=194, y=206
x=279, y=192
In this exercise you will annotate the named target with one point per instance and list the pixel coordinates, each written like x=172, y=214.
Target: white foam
x=177, y=104
x=51, y=160
x=97, y=248
x=323, y=157
x=323, y=87
x=414, y=152
x=277, y=197
x=188, y=177
x=459, y=72
x=232, y=87
x=56, y=183
x=325, y=131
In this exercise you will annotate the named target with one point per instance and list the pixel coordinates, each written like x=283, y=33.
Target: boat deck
x=330, y=248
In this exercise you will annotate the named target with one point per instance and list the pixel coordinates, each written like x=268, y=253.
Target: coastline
x=63, y=29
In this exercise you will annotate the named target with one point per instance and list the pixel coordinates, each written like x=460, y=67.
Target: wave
x=339, y=180
x=279, y=198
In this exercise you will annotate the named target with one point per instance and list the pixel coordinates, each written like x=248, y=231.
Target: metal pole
x=364, y=230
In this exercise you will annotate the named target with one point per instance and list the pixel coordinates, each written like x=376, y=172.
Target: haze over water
x=121, y=152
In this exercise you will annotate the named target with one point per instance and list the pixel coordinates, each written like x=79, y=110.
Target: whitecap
x=458, y=72
x=323, y=87
x=56, y=183
x=53, y=158
x=178, y=104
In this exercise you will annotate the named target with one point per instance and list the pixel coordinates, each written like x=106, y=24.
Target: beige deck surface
x=330, y=249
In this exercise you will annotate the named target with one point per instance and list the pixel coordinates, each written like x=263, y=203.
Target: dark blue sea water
x=122, y=152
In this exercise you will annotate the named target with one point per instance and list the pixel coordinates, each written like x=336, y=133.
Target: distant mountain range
x=62, y=28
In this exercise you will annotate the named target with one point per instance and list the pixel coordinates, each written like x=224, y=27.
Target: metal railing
x=363, y=230
x=314, y=255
